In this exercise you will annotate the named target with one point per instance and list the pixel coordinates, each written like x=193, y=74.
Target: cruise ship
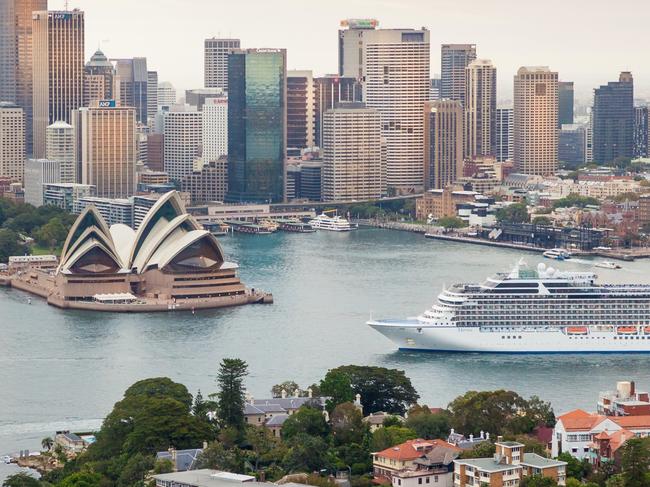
x=332, y=223
x=540, y=310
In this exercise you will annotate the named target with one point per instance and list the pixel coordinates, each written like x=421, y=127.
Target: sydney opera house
x=169, y=262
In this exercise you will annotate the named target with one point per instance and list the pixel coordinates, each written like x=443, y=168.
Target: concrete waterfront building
x=152, y=96
x=394, y=68
x=504, y=134
x=215, y=128
x=114, y=210
x=301, y=117
x=12, y=141
x=99, y=77
x=39, y=172
x=60, y=147
x=565, y=103
x=480, y=108
x=215, y=67
x=257, y=121
x=196, y=97
x=443, y=143
x=131, y=85
x=641, y=134
x=454, y=58
x=107, y=152
x=183, y=129
x=330, y=90
x=535, y=120
x=354, y=166
x=613, y=120
x=166, y=94
x=64, y=195
x=16, y=57
x=58, y=70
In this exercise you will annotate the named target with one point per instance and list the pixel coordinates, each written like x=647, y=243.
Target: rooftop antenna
x=67, y=5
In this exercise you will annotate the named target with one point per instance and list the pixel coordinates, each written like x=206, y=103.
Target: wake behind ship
x=530, y=311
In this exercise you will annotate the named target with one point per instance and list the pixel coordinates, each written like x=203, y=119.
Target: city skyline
x=499, y=30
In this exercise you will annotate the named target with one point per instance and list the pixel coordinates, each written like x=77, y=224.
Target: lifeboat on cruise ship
x=647, y=330
x=577, y=330
x=626, y=330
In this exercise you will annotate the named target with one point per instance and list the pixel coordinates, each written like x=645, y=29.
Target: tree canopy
x=230, y=398
x=514, y=213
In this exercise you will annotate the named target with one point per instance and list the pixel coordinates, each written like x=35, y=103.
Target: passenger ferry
x=557, y=254
x=333, y=223
x=530, y=311
x=607, y=264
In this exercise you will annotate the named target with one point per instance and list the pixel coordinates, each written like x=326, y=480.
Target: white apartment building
x=166, y=94
x=215, y=128
x=480, y=109
x=183, y=131
x=59, y=146
x=215, y=52
x=12, y=141
x=394, y=66
x=37, y=173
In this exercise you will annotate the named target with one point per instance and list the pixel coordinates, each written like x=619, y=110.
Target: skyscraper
x=505, y=142
x=330, y=90
x=454, y=58
x=58, y=69
x=166, y=94
x=535, y=120
x=152, y=96
x=60, y=147
x=37, y=173
x=565, y=103
x=434, y=89
x=300, y=111
x=571, y=145
x=480, y=108
x=641, y=131
x=443, y=143
x=215, y=68
x=394, y=67
x=257, y=120
x=354, y=165
x=613, y=120
x=99, y=75
x=106, y=138
x=215, y=128
x=182, y=140
x=16, y=41
x=12, y=141
x=131, y=85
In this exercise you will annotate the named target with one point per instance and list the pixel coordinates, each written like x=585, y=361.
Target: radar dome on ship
x=550, y=271
x=541, y=267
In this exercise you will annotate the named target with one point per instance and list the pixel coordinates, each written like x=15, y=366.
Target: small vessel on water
x=334, y=223
x=607, y=264
x=269, y=225
x=557, y=254
x=542, y=310
x=294, y=225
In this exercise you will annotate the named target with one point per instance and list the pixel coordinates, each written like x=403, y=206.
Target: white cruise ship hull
x=415, y=335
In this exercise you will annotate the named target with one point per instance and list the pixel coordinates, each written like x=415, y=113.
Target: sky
x=586, y=41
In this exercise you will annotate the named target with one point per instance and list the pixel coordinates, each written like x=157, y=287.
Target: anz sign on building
x=107, y=104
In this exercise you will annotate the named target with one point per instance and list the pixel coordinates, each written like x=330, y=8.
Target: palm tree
x=47, y=443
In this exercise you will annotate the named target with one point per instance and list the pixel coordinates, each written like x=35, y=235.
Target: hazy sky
x=587, y=41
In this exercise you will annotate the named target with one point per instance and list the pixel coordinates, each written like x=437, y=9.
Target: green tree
x=381, y=389
x=82, y=479
x=261, y=442
x=337, y=388
x=451, y=222
x=217, y=457
x=485, y=449
x=135, y=470
x=634, y=463
x=305, y=421
x=575, y=468
x=160, y=387
x=571, y=482
x=306, y=453
x=21, y=479
x=514, y=213
x=428, y=425
x=9, y=244
x=392, y=421
x=575, y=200
x=542, y=220
x=47, y=443
x=163, y=465
x=390, y=436
x=538, y=481
x=288, y=386
x=230, y=398
x=347, y=424
x=52, y=234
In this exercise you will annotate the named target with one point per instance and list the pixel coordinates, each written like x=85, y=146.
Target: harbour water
x=65, y=369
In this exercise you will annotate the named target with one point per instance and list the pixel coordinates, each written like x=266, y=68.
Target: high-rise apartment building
x=480, y=109
x=394, y=68
x=106, y=141
x=301, y=105
x=328, y=91
x=12, y=141
x=565, y=103
x=152, y=96
x=207, y=184
x=354, y=166
x=166, y=94
x=60, y=147
x=58, y=70
x=99, y=76
x=641, y=132
x=215, y=61
x=37, y=173
x=215, y=128
x=131, y=85
x=257, y=121
x=504, y=128
x=443, y=143
x=535, y=120
x=16, y=41
x=182, y=135
x=155, y=152
x=454, y=58
x=613, y=120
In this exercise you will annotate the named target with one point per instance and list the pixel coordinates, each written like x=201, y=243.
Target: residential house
x=507, y=468
x=182, y=460
x=376, y=420
x=206, y=478
x=70, y=442
x=606, y=447
x=459, y=440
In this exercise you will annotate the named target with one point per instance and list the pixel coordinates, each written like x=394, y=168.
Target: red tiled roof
x=579, y=420
x=413, y=449
x=632, y=422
